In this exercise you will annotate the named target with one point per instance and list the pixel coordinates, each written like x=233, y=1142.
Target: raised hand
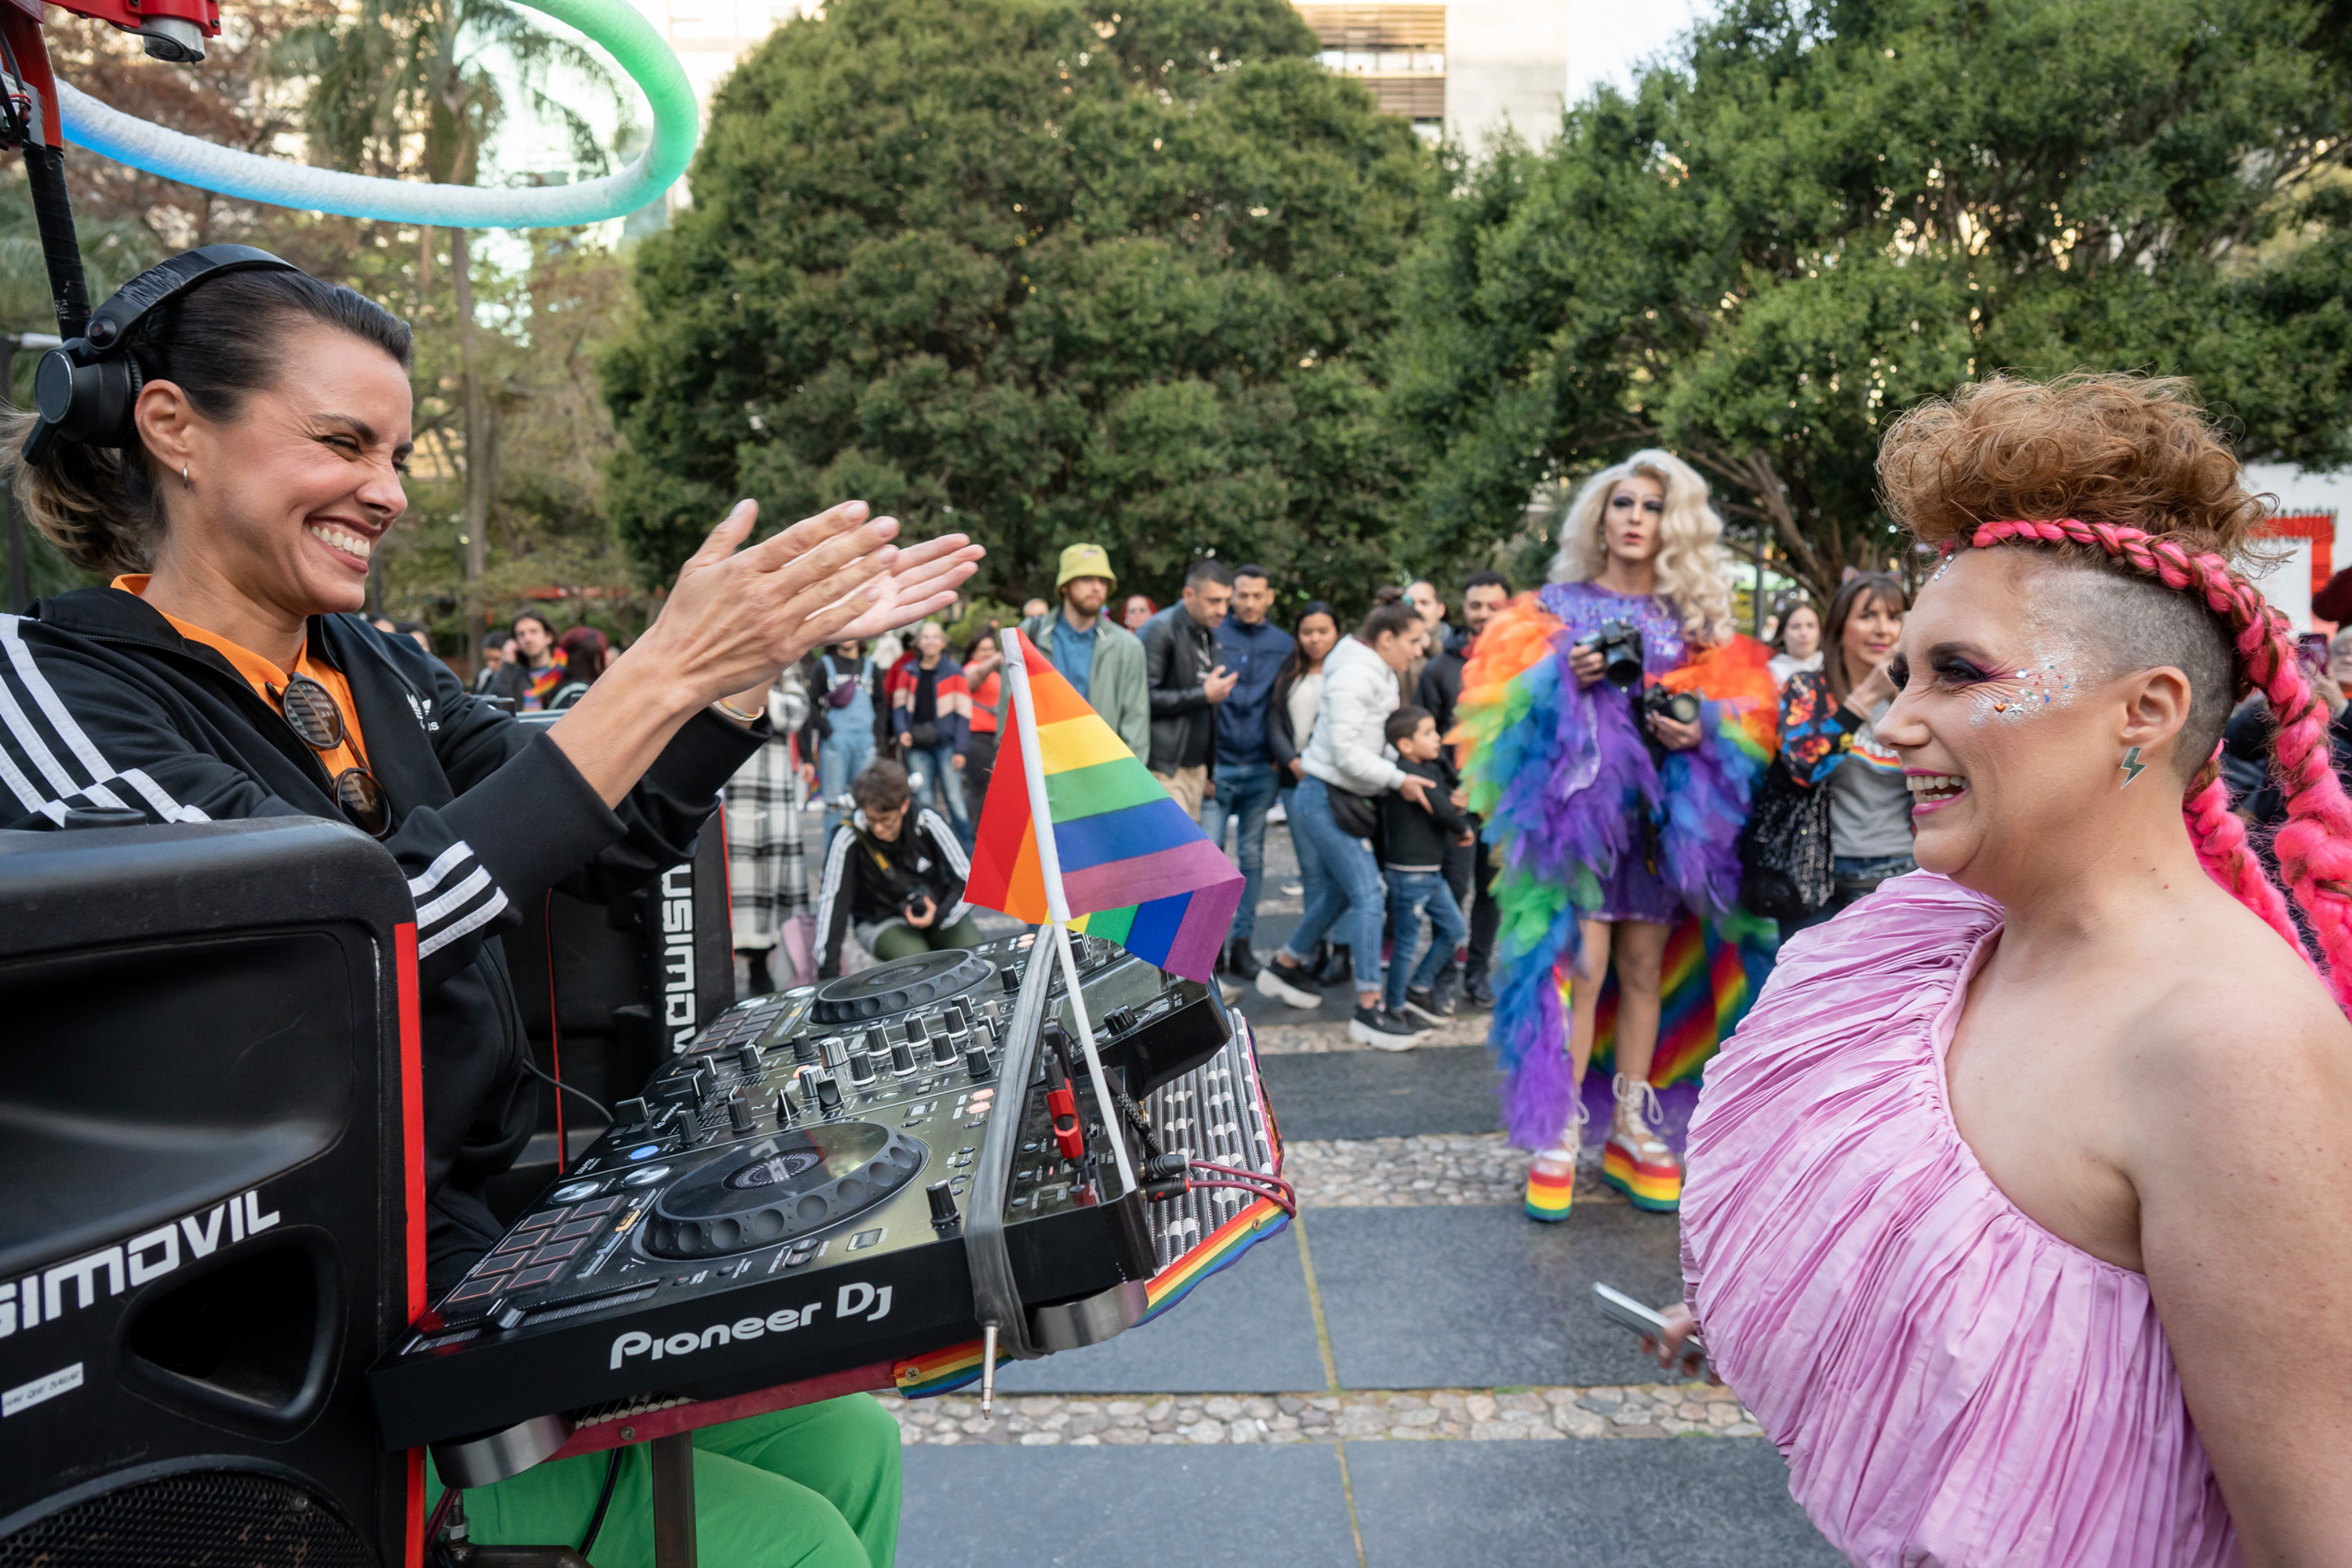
x=922, y=579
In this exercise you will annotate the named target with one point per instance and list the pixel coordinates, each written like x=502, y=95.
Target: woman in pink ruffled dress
x=2020, y=1208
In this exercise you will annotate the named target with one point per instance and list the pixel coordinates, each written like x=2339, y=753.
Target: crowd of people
x=2000, y=1198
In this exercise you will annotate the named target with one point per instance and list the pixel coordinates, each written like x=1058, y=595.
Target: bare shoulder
x=2238, y=1022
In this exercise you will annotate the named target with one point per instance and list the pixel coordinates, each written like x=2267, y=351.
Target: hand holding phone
x=1671, y=1336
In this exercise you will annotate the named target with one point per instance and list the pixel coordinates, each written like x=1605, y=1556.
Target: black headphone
x=87, y=388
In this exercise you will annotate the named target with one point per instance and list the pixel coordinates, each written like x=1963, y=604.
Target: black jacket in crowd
x=1413, y=839
x=1441, y=679
x=867, y=880
x=1179, y=652
x=1281, y=739
x=108, y=706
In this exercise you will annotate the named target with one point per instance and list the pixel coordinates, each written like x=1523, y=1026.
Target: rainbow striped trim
x=958, y=1366
x=1550, y=1197
x=1657, y=1188
x=1710, y=976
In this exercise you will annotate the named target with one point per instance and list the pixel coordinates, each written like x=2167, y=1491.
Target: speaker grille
x=204, y=1519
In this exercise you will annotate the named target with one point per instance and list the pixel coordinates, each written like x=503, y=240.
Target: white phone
x=1627, y=1313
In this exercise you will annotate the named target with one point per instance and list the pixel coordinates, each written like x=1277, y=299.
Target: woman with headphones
x=228, y=440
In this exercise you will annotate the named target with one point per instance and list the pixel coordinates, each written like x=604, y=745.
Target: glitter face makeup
x=2044, y=679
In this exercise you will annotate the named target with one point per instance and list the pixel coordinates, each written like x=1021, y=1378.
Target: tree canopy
x=1040, y=270
x=1824, y=213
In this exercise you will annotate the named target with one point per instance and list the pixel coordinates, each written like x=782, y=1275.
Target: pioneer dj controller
x=790, y=1196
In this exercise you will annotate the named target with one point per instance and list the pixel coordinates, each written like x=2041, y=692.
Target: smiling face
x=288, y=499
x=1868, y=636
x=930, y=642
x=2009, y=727
x=1631, y=522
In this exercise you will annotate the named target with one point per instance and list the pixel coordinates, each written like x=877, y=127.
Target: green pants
x=812, y=1488
x=900, y=940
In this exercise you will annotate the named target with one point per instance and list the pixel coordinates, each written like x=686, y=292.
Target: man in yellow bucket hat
x=1101, y=659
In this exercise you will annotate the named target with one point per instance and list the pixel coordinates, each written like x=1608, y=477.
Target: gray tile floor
x=1466, y=1297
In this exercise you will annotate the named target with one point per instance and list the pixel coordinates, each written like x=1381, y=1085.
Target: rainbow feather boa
x=1552, y=772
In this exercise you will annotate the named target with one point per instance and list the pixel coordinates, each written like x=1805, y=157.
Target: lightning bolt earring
x=2133, y=767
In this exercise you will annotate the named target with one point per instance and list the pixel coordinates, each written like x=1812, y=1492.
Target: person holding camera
x=1827, y=741
x=1617, y=723
x=897, y=885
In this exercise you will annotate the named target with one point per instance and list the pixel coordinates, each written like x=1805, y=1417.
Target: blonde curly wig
x=1692, y=569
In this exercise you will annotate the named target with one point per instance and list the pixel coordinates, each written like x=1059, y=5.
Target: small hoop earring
x=2133, y=767
x=185, y=483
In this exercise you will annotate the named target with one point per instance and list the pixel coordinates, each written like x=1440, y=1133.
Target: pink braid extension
x=2314, y=848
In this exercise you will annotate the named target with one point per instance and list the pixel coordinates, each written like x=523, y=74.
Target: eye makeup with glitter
x=2038, y=683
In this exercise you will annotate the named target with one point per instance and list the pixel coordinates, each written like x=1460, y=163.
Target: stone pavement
x=1411, y=1374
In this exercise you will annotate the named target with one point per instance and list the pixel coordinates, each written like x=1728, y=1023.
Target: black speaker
x=607, y=993
x=207, y=1089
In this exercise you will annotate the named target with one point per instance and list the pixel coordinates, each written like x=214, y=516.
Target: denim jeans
x=1855, y=878
x=1310, y=864
x=1246, y=793
x=839, y=759
x=1351, y=887
x=1410, y=893
x=941, y=786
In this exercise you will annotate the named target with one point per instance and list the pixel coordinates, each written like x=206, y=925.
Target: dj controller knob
x=805, y=1047
x=975, y=1062
x=784, y=1109
x=945, y=1050
x=633, y=1113
x=915, y=1032
x=739, y=1112
x=1118, y=1020
x=943, y=1206
x=828, y=1095
x=1009, y=977
x=748, y=1056
x=861, y=1067
x=902, y=1058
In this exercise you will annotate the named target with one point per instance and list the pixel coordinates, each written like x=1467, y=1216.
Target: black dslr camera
x=1619, y=644
x=1681, y=707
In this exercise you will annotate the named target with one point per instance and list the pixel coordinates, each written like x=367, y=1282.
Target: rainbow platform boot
x=1551, y=1174
x=1635, y=1161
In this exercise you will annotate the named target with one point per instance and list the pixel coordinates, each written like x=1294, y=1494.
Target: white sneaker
x=1270, y=982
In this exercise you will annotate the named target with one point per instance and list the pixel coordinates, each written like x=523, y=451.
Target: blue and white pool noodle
x=615, y=24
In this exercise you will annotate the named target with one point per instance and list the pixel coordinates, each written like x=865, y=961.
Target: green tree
x=1035, y=270
x=1821, y=214
x=420, y=86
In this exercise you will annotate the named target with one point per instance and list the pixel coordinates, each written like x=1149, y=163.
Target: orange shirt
x=267, y=679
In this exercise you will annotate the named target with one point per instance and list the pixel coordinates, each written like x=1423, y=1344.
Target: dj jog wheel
x=781, y=1188
x=895, y=988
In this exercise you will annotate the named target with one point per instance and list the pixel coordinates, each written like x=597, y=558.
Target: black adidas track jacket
x=103, y=703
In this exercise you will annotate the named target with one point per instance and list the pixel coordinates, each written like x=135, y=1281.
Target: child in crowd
x=1412, y=859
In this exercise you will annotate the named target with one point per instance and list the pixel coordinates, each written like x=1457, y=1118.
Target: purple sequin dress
x=1634, y=890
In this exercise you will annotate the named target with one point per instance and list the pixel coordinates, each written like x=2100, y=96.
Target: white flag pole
x=1057, y=904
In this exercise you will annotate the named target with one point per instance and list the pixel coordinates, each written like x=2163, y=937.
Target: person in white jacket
x=1349, y=755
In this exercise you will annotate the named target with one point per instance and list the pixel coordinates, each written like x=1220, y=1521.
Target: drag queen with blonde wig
x=2018, y=1207
x=1617, y=823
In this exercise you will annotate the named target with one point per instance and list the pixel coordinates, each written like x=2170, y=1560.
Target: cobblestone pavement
x=1425, y=1171
x=1527, y=1414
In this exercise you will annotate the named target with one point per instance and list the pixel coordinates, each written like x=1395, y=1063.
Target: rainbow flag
x=1122, y=854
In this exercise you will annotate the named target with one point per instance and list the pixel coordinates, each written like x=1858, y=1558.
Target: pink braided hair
x=2314, y=848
